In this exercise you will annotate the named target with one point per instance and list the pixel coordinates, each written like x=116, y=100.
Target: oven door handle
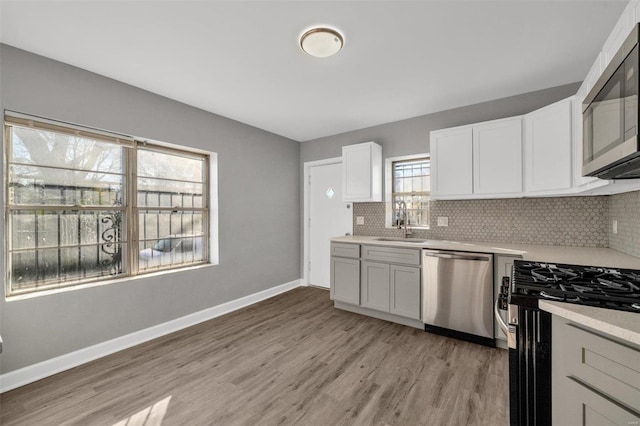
x=503, y=325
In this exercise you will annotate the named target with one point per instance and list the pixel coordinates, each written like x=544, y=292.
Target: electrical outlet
x=615, y=226
x=359, y=220
x=443, y=221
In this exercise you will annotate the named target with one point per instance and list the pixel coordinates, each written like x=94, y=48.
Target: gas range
x=585, y=285
x=529, y=328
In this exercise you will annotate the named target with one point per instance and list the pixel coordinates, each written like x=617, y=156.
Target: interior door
x=329, y=217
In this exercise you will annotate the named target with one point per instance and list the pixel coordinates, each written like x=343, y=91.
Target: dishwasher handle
x=457, y=256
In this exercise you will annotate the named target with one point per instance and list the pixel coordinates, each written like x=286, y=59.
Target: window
x=409, y=181
x=76, y=214
x=171, y=208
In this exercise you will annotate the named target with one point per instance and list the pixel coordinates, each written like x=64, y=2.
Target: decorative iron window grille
x=74, y=209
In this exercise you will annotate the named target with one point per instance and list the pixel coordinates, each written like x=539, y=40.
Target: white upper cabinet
x=619, y=33
x=591, y=78
x=362, y=172
x=497, y=157
x=481, y=160
x=452, y=162
x=547, y=147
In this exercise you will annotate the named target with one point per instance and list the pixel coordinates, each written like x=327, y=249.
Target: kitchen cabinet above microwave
x=362, y=172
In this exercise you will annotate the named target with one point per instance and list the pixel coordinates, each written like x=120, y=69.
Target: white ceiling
x=241, y=59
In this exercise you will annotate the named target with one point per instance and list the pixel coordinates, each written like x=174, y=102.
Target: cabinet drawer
x=583, y=406
x=345, y=250
x=611, y=367
x=392, y=254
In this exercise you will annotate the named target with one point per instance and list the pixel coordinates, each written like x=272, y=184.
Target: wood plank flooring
x=292, y=359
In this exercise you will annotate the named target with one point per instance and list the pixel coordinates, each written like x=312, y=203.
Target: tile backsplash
x=567, y=221
x=625, y=209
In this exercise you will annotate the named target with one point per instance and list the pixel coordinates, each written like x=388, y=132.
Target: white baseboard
x=31, y=373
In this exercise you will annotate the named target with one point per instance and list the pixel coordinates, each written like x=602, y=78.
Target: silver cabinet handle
x=503, y=325
x=457, y=256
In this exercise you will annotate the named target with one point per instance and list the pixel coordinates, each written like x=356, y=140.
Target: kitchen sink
x=401, y=240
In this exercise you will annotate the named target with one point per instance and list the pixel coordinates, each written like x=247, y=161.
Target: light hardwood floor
x=292, y=359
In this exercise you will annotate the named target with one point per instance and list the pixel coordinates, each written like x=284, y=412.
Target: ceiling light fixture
x=321, y=42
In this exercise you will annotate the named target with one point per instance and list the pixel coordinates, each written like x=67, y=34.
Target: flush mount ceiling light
x=321, y=42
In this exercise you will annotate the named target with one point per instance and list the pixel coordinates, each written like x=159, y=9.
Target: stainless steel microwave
x=610, y=118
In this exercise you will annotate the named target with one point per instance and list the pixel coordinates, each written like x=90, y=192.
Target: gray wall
x=411, y=136
x=259, y=193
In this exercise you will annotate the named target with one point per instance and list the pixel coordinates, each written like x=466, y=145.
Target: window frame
x=389, y=187
x=131, y=244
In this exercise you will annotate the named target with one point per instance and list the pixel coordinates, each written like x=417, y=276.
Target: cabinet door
x=590, y=80
x=375, y=286
x=405, y=291
x=362, y=172
x=582, y=406
x=345, y=280
x=619, y=34
x=451, y=162
x=548, y=147
x=497, y=157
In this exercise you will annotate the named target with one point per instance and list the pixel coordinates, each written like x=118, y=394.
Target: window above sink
x=408, y=179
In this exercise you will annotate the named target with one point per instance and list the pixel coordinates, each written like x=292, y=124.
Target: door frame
x=306, y=184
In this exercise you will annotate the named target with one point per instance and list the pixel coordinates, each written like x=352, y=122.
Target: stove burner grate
x=594, y=286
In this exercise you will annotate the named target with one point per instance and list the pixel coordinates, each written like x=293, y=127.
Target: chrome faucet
x=403, y=219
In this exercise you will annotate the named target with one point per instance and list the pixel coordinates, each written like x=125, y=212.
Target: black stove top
x=585, y=285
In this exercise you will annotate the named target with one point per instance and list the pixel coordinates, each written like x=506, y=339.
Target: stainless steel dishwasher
x=457, y=294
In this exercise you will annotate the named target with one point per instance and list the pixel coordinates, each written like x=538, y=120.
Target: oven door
x=530, y=367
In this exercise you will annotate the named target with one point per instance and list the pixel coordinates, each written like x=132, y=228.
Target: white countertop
x=620, y=324
x=591, y=256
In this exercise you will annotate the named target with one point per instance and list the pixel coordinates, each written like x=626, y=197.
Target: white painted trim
x=306, y=249
x=31, y=373
x=214, y=232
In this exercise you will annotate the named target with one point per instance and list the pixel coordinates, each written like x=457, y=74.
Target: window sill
x=106, y=282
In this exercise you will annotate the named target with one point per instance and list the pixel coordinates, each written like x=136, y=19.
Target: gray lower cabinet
x=391, y=288
x=382, y=279
x=584, y=406
x=401, y=255
x=375, y=286
x=345, y=280
x=595, y=377
x=405, y=291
